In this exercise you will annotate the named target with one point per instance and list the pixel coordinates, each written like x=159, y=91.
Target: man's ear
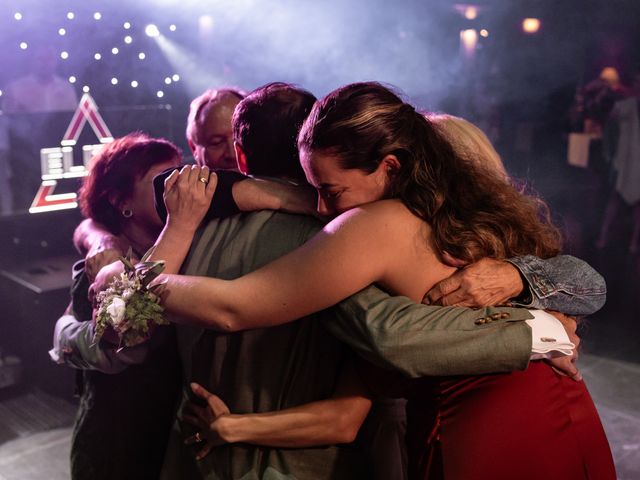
x=241, y=158
x=194, y=151
x=390, y=165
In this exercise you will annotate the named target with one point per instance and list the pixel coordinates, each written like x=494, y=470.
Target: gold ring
x=203, y=180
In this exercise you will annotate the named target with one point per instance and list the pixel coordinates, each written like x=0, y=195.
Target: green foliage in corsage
x=128, y=305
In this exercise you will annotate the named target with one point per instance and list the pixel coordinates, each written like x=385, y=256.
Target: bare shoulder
x=391, y=208
x=382, y=218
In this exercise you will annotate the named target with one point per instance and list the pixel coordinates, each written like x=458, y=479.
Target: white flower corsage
x=128, y=305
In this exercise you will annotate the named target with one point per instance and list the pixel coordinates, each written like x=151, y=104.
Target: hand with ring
x=197, y=438
x=207, y=420
x=187, y=196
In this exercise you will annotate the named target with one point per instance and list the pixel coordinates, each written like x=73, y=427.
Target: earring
x=127, y=213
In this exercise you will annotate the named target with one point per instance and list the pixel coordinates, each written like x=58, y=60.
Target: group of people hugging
x=412, y=317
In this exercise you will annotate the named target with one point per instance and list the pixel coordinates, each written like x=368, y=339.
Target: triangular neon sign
x=57, y=162
x=87, y=110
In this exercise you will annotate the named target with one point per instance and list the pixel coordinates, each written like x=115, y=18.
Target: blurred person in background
x=42, y=90
x=598, y=98
x=626, y=166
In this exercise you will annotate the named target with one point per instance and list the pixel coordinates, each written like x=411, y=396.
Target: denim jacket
x=563, y=283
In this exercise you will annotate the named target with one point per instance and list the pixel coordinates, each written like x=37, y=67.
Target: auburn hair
x=113, y=172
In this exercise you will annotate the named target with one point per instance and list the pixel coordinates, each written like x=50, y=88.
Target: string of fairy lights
x=121, y=45
x=102, y=51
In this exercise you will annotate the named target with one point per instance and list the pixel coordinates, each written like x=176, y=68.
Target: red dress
x=534, y=425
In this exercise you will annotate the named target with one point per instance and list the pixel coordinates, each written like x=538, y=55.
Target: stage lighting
x=205, y=22
x=469, y=41
x=17, y=16
x=62, y=32
x=115, y=50
x=97, y=56
x=85, y=89
x=127, y=25
x=531, y=25
x=134, y=84
x=151, y=30
x=128, y=39
x=71, y=15
x=160, y=93
x=484, y=33
x=0, y=93
x=167, y=80
x=64, y=55
x=172, y=27
x=97, y=16
x=23, y=45
x=471, y=12
x=72, y=79
x=114, y=81
x=142, y=56
x=175, y=77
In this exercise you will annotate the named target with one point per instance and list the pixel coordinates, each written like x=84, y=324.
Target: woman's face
x=340, y=189
x=142, y=198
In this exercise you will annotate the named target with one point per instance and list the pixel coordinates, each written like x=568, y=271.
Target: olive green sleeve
x=420, y=340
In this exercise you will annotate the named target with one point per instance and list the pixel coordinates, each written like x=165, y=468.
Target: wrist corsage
x=129, y=305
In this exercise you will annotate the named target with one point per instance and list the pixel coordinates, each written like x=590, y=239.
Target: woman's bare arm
x=356, y=249
x=187, y=202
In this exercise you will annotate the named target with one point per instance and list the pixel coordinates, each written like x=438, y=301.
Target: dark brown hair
x=473, y=212
x=114, y=171
x=266, y=124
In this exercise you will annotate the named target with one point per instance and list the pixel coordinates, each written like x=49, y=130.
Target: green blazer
x=271, y=369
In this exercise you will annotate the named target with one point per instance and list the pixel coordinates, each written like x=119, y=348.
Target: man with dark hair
x=262, y=369
x=265, y=130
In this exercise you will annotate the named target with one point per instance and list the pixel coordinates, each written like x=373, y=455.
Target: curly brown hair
x=473, y=212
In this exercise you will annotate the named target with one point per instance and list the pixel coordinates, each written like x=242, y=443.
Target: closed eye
x=216, y=141
x=329, y=193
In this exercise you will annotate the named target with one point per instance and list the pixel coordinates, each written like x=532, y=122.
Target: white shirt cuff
x=58, y=351
x=549, y=337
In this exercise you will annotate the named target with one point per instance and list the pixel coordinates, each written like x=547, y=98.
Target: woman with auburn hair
x=405, y=198
x=126, y=410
